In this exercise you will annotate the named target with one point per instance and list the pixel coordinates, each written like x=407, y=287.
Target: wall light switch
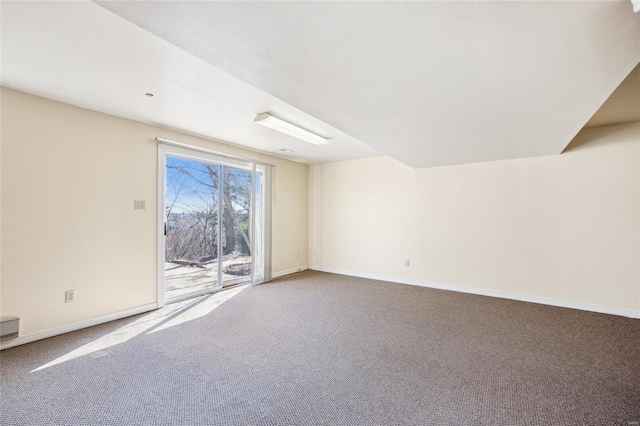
x=139, y=204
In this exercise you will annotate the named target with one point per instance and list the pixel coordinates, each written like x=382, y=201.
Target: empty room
x=320, y=213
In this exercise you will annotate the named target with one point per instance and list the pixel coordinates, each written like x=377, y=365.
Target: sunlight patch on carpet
x=169, y=316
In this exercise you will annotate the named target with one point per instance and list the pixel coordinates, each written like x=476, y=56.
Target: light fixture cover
x=268, y=120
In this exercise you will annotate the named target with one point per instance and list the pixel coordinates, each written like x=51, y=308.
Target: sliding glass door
x=213, y=223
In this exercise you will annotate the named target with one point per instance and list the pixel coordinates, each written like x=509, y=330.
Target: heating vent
x=9, y=327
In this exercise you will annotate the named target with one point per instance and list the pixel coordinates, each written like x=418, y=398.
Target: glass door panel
x=237, y=249
x=191, y=227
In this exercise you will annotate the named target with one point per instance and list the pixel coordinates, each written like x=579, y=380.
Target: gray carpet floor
x=323, y=349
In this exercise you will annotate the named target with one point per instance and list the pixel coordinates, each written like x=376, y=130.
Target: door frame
x=195, y=154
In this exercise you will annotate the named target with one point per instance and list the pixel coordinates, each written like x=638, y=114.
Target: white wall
x=565, y=228
x=69, y=178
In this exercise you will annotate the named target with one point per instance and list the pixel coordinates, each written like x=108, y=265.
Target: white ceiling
x=429, y=83
x=84, y=55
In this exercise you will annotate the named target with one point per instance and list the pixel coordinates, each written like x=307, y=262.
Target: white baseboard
x=289, y=272
x=39, y=335
x=503, y=295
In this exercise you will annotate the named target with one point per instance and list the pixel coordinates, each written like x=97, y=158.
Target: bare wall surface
x=69, y=178
x=623, y=106
x=564, y=228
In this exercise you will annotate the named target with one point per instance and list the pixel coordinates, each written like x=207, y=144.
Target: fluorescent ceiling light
x=267, y=120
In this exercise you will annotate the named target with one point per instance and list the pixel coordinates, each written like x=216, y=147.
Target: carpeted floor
x=316, y=348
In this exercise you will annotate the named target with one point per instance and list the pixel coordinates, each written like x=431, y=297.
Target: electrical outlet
x=406, y=262
x=69, y=296
x=139, y=204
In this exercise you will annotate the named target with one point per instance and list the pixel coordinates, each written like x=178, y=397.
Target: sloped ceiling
x=429, y=83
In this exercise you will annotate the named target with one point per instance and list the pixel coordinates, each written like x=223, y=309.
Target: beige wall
x=564, y=228
x=69, y=178
x=623, y=106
